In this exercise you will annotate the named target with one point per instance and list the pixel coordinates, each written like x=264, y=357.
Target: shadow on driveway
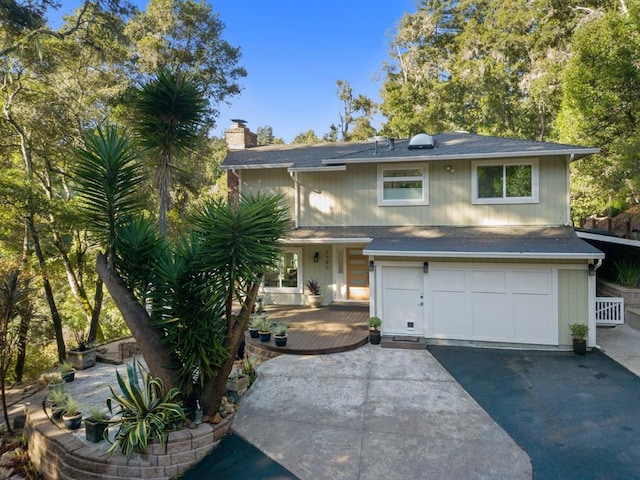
x=576, y=417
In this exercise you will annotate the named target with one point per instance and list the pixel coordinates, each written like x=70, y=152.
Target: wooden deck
x=334, y=328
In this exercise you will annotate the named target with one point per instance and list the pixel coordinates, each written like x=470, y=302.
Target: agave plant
x=146, y=412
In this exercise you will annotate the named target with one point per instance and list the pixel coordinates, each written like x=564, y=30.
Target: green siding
x=344, y=198
x=573, y=301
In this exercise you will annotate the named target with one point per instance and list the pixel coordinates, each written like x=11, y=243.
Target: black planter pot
x=264, y=336
x=253, y=332
x=56, y=412
x=579, y=347
x=68, y=376
x=72, y=422
x=95, y=430
x=281, y=340
x=374, y=337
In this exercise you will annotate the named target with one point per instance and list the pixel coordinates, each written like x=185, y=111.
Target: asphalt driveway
x=576, y=417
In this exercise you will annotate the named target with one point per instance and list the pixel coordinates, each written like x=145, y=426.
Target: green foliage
x=374, y=323
x=72, y=406
x=308, y=137
x=279, y=329
x=578, y=330
x=108, y=175
x=627, y=273
x=145, y=412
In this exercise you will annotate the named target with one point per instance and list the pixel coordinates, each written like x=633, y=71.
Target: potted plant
x=84, y=355
x=249, y=368
x=579, y=332
x=264, y=329
x=57, y=400
x=95, y=424
x=67, y=371
x=254, y=325
x=280, y=334
x=56, y=382
x=374, y=333
x=72, y=416
x=314, y=297
x=146, y=411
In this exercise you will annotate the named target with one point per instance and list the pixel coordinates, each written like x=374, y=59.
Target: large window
x=287, y=276
x=403, y=185
x=505, y=182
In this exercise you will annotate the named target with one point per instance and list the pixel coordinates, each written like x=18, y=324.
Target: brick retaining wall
x=61, y=454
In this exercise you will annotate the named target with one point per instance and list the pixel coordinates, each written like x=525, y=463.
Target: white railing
x=609, y=311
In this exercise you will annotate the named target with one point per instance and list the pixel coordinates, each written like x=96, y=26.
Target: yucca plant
x=146, y=412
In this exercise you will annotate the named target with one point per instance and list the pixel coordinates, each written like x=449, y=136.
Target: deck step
x=409, y=343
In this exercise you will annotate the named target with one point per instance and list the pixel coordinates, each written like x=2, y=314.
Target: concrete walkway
x=622, y=343
x=374, y=413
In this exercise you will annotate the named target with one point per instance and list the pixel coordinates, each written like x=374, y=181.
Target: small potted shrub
x=280, y=334
x=57, y=401
x=96, y=424
x=314, y=297
x=254, y=325
x=84, y=355
x=249, y=368
x=264, y=330
x=72, y=416
x=56, y=383
x=67, y=372
x=579, y=332
x=374, y=332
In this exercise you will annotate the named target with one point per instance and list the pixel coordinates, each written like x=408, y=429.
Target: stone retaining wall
x=62, y=454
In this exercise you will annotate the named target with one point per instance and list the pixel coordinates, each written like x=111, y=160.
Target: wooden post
x=627, y=229
x=609, y=224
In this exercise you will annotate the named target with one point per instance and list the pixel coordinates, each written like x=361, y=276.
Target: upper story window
x=287, y=277
x=513, y=181
x=405, y=184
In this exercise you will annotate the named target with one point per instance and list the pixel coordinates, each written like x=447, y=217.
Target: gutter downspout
x=592, y=304
x=570, y=159
x=296, y=198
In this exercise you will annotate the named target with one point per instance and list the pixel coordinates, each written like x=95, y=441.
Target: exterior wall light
x=371, y=266
x=425, y=267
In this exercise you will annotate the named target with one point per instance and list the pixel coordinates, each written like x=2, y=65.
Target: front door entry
x=357, y=275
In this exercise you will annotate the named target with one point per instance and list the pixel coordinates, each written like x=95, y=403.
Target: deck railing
x=609, y=311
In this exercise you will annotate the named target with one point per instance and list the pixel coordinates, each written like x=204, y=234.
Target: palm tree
x=169, y=109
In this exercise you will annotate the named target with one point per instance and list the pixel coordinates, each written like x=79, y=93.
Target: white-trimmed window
x=287, y=277
x=404, y=184
x=513, y=181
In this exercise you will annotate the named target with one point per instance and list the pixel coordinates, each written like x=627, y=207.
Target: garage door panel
x=402, y=300
x=490, y=316
x=530, y=282
x=492, y=304
x=451, y=318
x=532, y=318
x=488, y=281
x=448, y=280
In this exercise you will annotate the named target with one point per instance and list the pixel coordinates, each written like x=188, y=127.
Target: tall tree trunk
x=25, y=319
x=55, y=315
x=156, y=354
x=94, y=326
x=214, y=388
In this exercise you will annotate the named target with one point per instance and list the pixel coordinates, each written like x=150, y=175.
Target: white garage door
x=402, y=300
x=514, y=305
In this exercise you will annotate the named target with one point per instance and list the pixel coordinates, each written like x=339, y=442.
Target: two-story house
x=452, y=237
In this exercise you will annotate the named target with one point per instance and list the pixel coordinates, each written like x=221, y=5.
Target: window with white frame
x=405, y=184
x=514, y=181
x=287, y=276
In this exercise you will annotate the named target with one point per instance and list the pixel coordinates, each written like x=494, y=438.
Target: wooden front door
x=357, y=275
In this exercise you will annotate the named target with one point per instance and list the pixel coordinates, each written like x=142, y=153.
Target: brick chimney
x=239, y=137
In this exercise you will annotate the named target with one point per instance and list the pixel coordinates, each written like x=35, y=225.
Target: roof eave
x=486, y=255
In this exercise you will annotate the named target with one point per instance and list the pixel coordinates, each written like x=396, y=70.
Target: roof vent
x=421, y=140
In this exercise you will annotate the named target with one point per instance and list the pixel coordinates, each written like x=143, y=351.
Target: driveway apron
x=577, y=417
x=374, y=414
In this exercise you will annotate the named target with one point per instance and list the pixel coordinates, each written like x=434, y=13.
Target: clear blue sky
x=294, y=51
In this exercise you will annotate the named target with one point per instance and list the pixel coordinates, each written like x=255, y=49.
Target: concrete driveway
x=577, y=417
x=373, y=414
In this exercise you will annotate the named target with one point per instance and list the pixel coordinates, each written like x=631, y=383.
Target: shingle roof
x=485, y=242
x=448, y=146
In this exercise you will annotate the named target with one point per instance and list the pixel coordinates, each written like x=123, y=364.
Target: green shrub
x=146, y=412
x=627, y=273
x=579, y=330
